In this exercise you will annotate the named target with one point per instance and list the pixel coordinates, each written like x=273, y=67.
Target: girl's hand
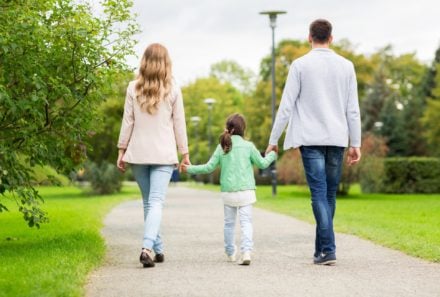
x=119, y=163
x=272, y=147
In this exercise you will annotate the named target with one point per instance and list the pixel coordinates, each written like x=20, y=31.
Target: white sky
x=199, y=33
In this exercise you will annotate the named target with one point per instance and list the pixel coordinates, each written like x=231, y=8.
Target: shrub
x=47, y=176
x=349, y=175
x=371, y=170
x=128, y=174
x=412, y=175
x=290, y=168
x=104, y=178
x=371, y=174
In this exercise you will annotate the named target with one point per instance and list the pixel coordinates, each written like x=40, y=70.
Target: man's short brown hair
x=320, y=30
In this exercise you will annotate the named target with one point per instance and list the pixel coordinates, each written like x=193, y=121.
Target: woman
x=153, y=125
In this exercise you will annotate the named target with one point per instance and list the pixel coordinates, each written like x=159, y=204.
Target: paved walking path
x=196, y=265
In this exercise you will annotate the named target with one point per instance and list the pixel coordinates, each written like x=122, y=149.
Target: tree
x=373, y=102
x=392, y=130
x=103, y=137
x=393, y=101
x=55, y=57
x=228, y=71
x=429, y=80
x=431, y=120
x=431, y=117
x=406, y=72
x=228, y=100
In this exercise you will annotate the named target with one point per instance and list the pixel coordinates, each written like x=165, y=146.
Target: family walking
x=319, y=106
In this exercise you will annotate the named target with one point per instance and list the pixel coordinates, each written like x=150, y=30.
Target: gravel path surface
x=195, y=263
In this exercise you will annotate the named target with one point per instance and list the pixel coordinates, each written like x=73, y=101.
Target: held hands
x=185, y=162
x=272, y=147
x=119, y=163
x=183, y=168
x=353, y=155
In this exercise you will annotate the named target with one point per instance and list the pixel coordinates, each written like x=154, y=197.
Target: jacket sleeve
x=209, y=167
x=262, y=162
x=127, y=121
x=353, y=114
x=179, y=123
x=290, y=94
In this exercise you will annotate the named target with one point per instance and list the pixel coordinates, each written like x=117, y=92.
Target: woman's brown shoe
x=159, y=258
x=145, y=258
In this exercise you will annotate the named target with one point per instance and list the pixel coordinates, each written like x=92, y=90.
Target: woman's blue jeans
x=322, y=166
x=153, y=181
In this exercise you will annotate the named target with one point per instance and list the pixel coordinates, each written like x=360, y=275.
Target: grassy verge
x=409, y=223
x=55, y=260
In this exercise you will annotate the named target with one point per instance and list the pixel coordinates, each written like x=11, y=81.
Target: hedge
x=371, y=174
x=411, y=175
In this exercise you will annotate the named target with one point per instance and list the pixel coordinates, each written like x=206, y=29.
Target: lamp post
x=273, y=23
x=210, y=102
x=195, y=120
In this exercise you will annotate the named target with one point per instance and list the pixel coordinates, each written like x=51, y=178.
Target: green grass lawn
x=410, y=223
x=55, y=260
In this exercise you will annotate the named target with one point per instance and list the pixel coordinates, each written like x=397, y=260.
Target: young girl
x=236, y=158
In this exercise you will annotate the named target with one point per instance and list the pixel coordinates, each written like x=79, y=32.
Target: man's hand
x=185, y=161
x=353, y=155
x=119, y=163
x=272, y=147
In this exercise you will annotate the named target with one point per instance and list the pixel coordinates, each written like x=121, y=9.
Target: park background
x=65, y=66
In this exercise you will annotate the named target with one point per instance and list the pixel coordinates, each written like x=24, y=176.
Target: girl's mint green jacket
x=237, y=173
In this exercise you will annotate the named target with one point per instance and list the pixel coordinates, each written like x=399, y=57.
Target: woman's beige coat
x=153, y=139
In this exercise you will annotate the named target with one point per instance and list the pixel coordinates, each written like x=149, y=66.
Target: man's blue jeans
x=153, y=181
x=322, y=166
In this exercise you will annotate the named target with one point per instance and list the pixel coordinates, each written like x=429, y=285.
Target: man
x=320, y=104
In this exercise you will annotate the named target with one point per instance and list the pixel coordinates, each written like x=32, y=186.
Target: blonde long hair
x=154, y=79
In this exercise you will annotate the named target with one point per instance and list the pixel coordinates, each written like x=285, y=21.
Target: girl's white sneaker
x=245, y=258
x=233, y=257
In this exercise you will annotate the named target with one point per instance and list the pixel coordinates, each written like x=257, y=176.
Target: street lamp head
x=273, y=16
x=378, y=125
x=210, y=102
x=195, y=120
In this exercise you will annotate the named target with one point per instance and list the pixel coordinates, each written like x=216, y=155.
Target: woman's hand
x=119, y=163
x=185, y=161
x=184, y=168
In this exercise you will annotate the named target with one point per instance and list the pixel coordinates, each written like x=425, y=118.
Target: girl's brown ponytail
x=226, y=141
x=235, y=125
